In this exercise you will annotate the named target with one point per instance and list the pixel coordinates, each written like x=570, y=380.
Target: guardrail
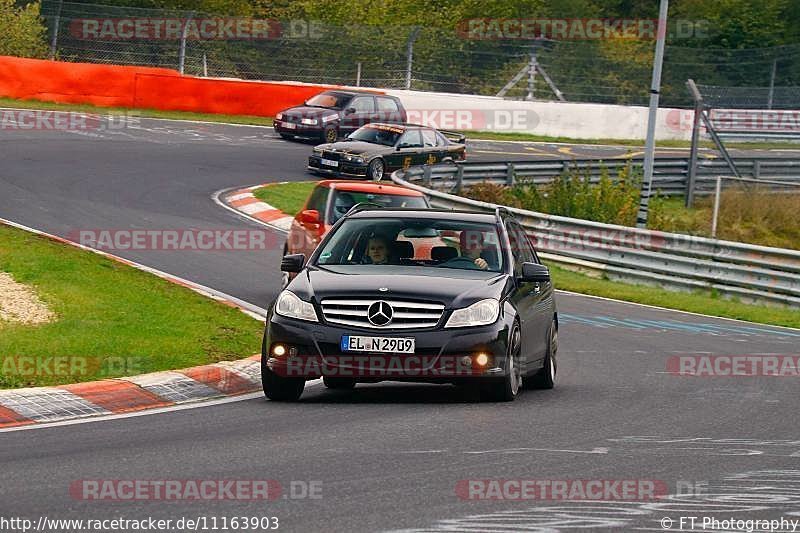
x=748, y=272
x=669, y=174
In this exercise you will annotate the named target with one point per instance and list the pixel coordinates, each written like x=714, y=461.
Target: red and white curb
x=23, y=407
x=244, y=202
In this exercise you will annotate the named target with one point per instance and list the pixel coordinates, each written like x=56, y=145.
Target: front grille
x=333, y=156
x=406, y=314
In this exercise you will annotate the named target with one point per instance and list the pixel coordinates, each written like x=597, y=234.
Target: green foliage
x=613, y=200
x=22, y=32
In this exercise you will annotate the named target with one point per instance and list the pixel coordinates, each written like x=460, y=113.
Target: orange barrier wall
x=146, y=88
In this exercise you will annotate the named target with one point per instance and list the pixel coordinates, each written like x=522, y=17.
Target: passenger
x=378, y=250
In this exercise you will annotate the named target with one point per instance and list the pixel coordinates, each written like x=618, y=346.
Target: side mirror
x=535, y=272
x=309, y=216
x=293, y=263
x=349, y=110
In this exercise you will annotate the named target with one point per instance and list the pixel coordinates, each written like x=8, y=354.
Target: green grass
x=288, y=197
x=108, y=312
x=471, y=134
x=697, y=302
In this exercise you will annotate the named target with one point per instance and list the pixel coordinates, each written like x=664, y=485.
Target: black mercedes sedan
x=374, y=150
x=415, y=295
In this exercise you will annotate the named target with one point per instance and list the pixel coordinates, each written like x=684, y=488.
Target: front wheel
x=507, y=390
x=546, y=377
x=278, y=388
x=376, y=169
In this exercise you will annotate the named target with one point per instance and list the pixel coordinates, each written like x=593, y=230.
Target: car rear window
x=345, y=200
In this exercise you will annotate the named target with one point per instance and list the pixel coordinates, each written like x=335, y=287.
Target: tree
x=22, y=32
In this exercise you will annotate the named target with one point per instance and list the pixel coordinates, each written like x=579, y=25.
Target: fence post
x=205, y=65
x=410, y=54
x=56, y=26
x=426, y=174
x=459, y=178
x=532, y=75
x=772, y=83
x=691, y=170
x=510, y=174
x=184, y=31
x=358, y=74
x=715, y=215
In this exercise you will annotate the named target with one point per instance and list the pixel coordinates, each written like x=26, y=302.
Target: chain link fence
x=433, y=59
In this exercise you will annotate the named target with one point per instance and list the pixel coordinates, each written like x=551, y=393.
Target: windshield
x=424, y=243
x=377, y=134
x=345, y=200
x=330, y=100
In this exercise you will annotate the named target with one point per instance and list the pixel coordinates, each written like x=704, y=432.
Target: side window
x=515, y=248
x=526, y=250
x=387, y=104
x=410, y=139
x=442, y=140
x=429, y=138
x=318, y=200
x=363, y=104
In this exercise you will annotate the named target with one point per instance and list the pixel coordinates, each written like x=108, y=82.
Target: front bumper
x=345, y=168
x=302, y=130
x=313, y=350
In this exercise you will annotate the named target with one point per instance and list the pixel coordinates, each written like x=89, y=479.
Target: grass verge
x=696, y=302
x=471, y=134
x=112, y=320
x=288, y=197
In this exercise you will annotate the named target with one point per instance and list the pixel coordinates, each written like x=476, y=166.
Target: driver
x=472, y=245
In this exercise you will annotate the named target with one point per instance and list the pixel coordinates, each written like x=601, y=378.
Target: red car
x=331, y=200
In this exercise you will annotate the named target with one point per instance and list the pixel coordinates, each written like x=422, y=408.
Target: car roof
x=353, y=92
x=399, y=125
x=436, y=214
x=362, y=186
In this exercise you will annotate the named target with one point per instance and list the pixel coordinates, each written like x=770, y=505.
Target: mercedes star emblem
x=380, y=313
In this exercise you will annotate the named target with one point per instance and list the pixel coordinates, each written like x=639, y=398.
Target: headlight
x=329, y=118
x=290, y=306
x=478, y=314
x=309, y=121
x=353, y=159
x=317, y=150
x=279, y=116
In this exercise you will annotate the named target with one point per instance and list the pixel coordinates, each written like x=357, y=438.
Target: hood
x=304, y=111
x=355, y=147
x=454, y=288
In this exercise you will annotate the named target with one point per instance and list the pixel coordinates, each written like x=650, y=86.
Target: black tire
x=507, y=389
x=280, y=389
x=339, y=383
x=546, y=377
x=376, y=169
x=330, y=135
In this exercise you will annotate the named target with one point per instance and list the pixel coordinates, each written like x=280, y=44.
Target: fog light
x=482, y=359
x=279, y=350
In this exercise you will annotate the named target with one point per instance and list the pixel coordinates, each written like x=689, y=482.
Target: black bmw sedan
x=415, y=295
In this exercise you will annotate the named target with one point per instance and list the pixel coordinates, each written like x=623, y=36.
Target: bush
x=610, y=200
x=22, y=32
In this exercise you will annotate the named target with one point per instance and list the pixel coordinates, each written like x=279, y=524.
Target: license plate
x=355, y=343
x=330, y=163
x=289, y=126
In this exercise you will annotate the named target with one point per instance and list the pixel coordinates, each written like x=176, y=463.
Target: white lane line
x=675, y=310
x=595, y=451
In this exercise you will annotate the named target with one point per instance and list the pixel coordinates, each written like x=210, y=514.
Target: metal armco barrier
x=669, y=175
x=748, y=272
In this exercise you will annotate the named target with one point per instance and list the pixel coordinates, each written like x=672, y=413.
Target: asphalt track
x=389, y=456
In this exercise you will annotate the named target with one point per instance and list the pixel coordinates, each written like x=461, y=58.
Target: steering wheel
x=460, y=260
